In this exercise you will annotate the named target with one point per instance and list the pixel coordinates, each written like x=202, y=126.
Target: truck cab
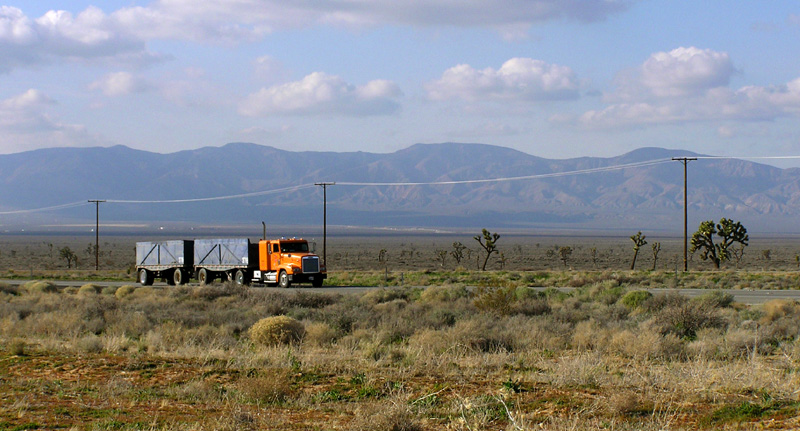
x=286, y=261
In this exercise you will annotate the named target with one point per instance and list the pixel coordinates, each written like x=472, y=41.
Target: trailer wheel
x=204, y=277
x=283, y=279
x=240, y=278
x=178, y=278
x=145, y=277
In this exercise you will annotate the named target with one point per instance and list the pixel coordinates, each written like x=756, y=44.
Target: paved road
x=743, y=296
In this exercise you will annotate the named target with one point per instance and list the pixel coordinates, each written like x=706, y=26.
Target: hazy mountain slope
x=642, y=196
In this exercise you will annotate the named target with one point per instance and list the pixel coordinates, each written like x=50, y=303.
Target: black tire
x=204, y=276
x=283, y=279
x=145, y=277
x=317, y=282
x=178, y=277
x=241, y=278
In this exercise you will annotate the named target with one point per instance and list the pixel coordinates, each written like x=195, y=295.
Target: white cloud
x=682, y=72
x=752, y=103
x=319, y=93
x=60, y=35
x=518, y=79
x=119, y=84
x=690, y=85
x=686, y=71
x=25, y=124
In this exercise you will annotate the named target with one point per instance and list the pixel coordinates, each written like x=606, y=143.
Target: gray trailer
x=227, y=259
x=171, y=261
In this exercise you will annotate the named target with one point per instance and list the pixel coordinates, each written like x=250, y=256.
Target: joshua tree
x=638, y=242
x=656, y=248
x=564, y=253
x=458, y=252
x=489, y=243
x=593, y=253
x=441, y=256
x=727, y=230
x=69, y=255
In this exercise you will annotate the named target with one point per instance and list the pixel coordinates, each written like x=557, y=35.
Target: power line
x=520, y=178
x=52, y=208
x=216, y=198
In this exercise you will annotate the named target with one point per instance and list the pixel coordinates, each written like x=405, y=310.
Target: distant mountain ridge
x=762, y=196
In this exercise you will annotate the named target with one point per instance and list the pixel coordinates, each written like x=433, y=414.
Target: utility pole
x=685, y=161
x=97, y=233
x=325, y=221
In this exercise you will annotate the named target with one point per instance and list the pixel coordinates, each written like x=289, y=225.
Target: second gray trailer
x=226, y=259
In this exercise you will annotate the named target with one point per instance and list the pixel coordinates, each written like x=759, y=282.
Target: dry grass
x=496, y=357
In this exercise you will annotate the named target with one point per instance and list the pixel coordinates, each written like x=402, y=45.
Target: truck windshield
x=294, y=247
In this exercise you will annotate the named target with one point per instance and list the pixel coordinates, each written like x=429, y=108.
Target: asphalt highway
x=750, y=297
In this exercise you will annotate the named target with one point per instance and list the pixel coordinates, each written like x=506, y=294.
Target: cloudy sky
x=553, y=78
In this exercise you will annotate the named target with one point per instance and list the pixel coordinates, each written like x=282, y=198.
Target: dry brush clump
x=276, y=330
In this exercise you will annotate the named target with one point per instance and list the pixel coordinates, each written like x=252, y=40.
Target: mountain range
x=554, y=194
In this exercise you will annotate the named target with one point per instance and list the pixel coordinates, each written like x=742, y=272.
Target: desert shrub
x=320, y=334
x=90, y=344
x=40, y=287
x=124, y=291
x=275, y=389
x=275, y=330
x=443, y=294
x=312, y=300
x=634, y=299
x=8, y=289
x=495, y=299
x=589, y=335
x=378, y=296
x=392, y=415
x=530, y=307
x=17, y=347
x=716, y=299
x=658, y=302
x=484, y=334
x=646, y=344
x=89, y=289
x=780, y=308
x=684, y=320
x=109, y=290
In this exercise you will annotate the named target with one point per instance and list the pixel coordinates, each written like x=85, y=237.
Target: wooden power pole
x=685, y=161
x=325, y=221
x=97, y=233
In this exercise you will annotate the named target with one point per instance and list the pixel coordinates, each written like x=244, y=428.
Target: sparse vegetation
x=450, y=356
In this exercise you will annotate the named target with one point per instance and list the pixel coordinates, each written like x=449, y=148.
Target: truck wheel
x=240, y=278
x=317, y=282
x=178, y=278
x=283, y=279
x=145, y=277
x=204, y=277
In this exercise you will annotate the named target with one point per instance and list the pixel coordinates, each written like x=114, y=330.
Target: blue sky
x=553, y=78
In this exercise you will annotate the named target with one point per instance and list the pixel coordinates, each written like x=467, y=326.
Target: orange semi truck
x=275, y=261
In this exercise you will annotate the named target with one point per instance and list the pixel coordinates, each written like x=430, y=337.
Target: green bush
x=433, y=294
x=276, y=330
x=89, y=289
x=40, y=287
x=635, y=299
x=124, y=291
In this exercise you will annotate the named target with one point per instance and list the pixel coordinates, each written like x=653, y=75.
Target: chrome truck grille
x=310, y=264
